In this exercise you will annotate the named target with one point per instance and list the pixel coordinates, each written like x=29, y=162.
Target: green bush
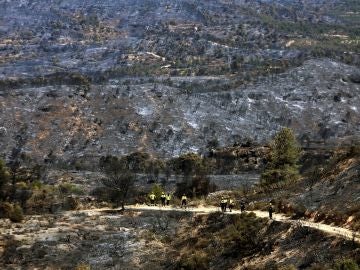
x=4, y=178
x=68, y=188
x=347, y=264
x=157, y=190
x=16, y=214
x=284, y=157
x=36, y=184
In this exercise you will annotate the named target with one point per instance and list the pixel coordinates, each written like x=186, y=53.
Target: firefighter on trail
x=231, y=204
x=152, y=198
x=223, y=204
x=163, y=199
x=242, y=206
x=271, y=210
x=168, y=198
x=183, y=200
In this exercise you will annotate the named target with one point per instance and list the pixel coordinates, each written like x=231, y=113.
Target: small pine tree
x=4, y=178
x=157, y=190
x=284, y=156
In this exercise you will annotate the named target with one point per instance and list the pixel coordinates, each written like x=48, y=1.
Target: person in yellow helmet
x=152, y=198
x=231, y=204
x=223, y=203
x=163, y=199
x=183, y=200
x=168, y=198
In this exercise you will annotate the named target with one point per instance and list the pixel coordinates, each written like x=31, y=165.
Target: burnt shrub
x=5, y=209
x=71, y=203
x=197, y=261
x=299, y=211
x=10, y=254
x=11, y=211
x=243, y=236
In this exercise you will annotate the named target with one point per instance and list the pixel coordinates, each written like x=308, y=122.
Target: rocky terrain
x=104, y=101
x=144, y=239
x=318, y=100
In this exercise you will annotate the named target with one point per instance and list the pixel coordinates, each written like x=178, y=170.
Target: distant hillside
x=168, y=77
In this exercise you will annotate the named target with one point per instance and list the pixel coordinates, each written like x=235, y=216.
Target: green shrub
x=4, y=178
x=157, y=190
x=347, y=264
x=284, y=157
x=36, y=184
x=68, y=188
x=16, y=215
x=21, y=185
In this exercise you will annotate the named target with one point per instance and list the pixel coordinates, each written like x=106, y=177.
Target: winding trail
x=329, y=229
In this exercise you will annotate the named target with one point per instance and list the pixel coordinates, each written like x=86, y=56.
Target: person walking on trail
x=163, y=199
x=242, y=206
x=231, y=204
x=168, y=198
x=271, y=210
x=223, y=203
x=152, y=198
x=183, y=200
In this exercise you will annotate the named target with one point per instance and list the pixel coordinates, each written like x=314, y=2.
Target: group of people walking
x=165, y=199
x=224, y=202
x=230, y=203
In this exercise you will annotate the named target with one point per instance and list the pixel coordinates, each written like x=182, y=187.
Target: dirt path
x=334, y=230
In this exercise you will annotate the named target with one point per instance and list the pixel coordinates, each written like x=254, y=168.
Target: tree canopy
x=119, y=179
x=284, y=156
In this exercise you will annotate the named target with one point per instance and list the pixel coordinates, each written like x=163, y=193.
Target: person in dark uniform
x=223, y=204
x=242, y=206
x=163, y=199
x=183, y=200
x=271, y=210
